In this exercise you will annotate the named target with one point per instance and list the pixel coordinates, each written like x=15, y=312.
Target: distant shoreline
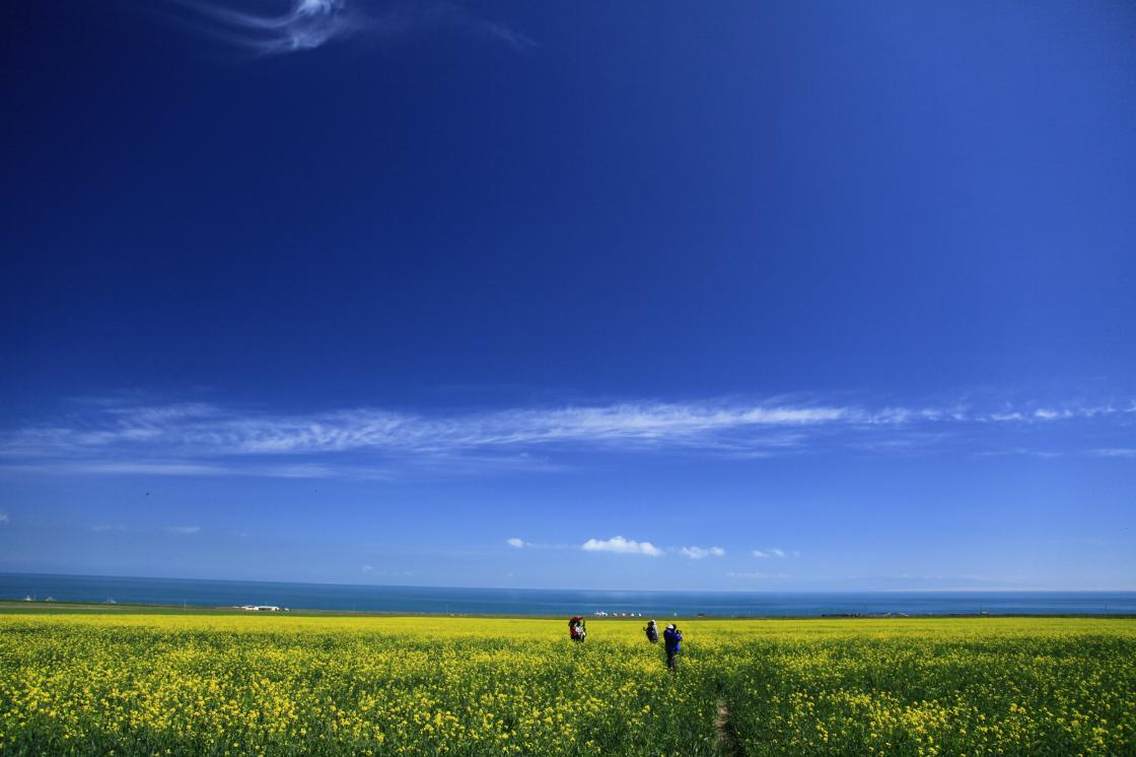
x=522, y=590
x=168, y=595
x=41, y=607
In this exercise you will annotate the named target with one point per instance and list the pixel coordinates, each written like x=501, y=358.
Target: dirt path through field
x=727, y=736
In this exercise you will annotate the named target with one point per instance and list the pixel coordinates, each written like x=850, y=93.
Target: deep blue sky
x=832, y=295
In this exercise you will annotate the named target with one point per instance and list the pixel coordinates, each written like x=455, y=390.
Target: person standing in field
x=577, y=630
x=652, y=632
x=672, y=638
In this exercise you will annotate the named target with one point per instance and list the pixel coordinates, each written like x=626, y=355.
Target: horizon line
x=611, y=591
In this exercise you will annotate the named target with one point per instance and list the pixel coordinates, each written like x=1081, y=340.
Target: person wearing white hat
x=673, y=639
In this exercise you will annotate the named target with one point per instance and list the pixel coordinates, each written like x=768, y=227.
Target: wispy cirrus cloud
x=199, y=439
x=209, y=435
x=1126, y=452
x=700, y=553
x=189, y=468
x=183, y=530
x=622, y=546
x=288, y=26
x=774, y=553
x=516, y=543
x=751, y=575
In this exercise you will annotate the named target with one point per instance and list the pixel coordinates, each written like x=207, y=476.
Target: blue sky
x=757, y=296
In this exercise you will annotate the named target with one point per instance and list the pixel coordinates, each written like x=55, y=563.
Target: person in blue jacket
x=672, y=637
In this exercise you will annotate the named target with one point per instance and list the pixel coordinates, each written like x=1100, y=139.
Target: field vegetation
x=220, y=684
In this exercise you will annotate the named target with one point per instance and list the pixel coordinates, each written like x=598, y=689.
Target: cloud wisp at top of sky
x=300, y=25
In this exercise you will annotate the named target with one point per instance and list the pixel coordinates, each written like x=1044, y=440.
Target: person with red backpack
x=577, y=629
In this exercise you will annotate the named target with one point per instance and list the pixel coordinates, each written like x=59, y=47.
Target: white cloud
x=306, y=25
x=771, y=552
x=516, y=543
x=1022, y=451
x=755, y=575
x=621, y=546
x=179, y=432
x=183, y=530
x=368, y=568
x=103, y=528
x=309, y=24
x=150, y=469
x=1115, y=452
x=4, y=519
x=189, y=468
x=197, y=439
x=698, y=553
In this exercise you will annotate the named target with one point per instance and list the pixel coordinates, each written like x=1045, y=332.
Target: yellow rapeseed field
x=224, y=684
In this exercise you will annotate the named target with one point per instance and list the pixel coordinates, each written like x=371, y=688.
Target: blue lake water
x=555, y=602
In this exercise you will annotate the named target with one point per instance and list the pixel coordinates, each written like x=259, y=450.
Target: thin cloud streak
x=190, y=468
x=701, y=553
x=308, y=24
x=198, y=439
x=774, y=552
x=200, y=429
x=1126, y=452
x=756, y=575
x=303, y=25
